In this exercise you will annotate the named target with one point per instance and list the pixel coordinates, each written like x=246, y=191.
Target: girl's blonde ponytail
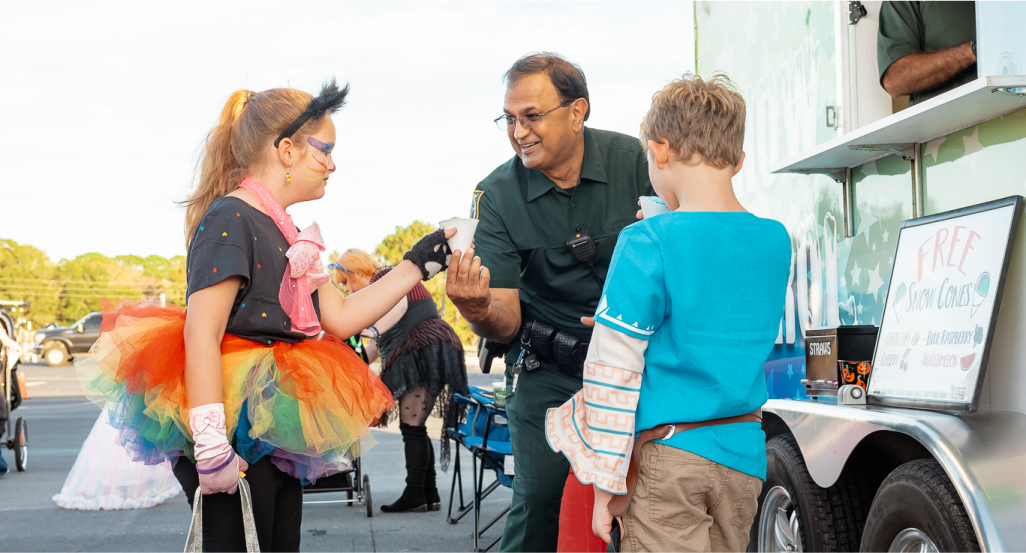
x=220, y=172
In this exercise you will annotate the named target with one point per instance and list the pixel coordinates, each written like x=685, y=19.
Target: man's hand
x=466, y=284
x=601, y=518
x=492, y=314
x=588, y=321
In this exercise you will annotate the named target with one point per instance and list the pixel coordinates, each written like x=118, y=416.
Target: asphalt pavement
x=59, y=418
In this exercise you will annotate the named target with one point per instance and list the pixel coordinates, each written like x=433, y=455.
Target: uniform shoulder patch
x=475, y=204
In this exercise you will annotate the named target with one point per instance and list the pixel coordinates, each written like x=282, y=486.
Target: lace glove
x=431, y=254
x=216, y=462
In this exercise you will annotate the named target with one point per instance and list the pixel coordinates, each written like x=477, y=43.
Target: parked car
x=59, y=344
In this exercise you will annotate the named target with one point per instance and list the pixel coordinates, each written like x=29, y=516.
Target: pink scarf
x=305, y=273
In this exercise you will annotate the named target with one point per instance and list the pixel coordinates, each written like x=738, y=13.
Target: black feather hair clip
x=330, y=100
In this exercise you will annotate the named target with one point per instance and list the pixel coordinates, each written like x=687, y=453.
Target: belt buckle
x=673, y=428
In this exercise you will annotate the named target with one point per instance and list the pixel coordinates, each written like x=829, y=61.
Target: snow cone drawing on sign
x=980, y=291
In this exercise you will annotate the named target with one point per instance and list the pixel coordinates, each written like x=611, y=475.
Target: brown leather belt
x=618, y=505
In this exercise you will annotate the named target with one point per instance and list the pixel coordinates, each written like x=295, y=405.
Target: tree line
x=64, y=291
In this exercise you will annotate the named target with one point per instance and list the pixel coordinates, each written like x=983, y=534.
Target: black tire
x=55, y=353
x=15, y=389
x=367, y=496
x=349, y=496
x=918, y=495
x=829, y=519
x=21, y=444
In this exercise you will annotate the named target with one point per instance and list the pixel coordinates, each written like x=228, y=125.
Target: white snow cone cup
x=465, y=229
x=652, y=206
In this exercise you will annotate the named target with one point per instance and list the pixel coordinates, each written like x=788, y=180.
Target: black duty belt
x=550, y=345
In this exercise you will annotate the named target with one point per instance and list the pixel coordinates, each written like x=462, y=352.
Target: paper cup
x=465, y=229
x=652, y=206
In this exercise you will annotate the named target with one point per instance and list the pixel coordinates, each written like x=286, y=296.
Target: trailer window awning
x=965, y=106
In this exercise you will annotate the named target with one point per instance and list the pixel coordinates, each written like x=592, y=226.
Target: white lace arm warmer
x=595, y=429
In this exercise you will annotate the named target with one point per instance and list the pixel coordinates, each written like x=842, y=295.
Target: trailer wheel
x=917, y=509
x=795, y=514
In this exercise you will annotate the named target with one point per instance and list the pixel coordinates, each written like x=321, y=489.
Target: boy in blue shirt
x=688, y=315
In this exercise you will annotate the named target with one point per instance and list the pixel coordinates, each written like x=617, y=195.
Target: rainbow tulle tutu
x=304, y=405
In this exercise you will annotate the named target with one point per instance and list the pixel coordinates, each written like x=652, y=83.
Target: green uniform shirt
x=526, y=220
x=925, y=27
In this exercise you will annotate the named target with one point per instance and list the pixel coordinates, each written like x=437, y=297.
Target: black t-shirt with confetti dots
x=236, y=239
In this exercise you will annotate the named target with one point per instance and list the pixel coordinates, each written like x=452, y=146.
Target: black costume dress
x=422, y=350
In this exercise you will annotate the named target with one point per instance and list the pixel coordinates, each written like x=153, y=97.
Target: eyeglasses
x=506, y=123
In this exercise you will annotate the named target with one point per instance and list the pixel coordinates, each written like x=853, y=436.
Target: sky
x=104, y=105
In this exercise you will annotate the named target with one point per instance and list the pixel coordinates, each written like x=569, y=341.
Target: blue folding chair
x=484, y=433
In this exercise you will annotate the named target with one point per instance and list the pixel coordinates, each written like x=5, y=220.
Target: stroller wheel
x=349, y=496
x=21, y=445
x=367, y=496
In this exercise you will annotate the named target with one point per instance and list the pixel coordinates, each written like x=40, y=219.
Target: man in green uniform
x=926, y=48
x=548, y=223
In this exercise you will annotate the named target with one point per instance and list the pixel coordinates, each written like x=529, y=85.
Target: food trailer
x=927, y=454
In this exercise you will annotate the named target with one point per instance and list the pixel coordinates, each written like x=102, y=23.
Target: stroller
x=18, y=439
x=352, y=481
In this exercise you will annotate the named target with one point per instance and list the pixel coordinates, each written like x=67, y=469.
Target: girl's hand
x=431, y=254
x=225, y=480
x=216, y=462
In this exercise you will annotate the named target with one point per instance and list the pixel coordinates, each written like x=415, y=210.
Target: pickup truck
x=58, y=345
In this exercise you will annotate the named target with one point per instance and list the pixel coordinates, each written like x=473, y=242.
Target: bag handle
x=194, y=541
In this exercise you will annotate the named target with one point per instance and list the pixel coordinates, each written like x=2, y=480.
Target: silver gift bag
x=194, y=543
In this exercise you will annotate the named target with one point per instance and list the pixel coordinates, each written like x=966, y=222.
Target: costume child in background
x=293, y=401
x=688, y=315
x=422, y=364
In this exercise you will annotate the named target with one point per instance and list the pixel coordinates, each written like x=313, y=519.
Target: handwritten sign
x=941, y=306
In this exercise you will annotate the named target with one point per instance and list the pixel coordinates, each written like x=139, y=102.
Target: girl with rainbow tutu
x=244, y=381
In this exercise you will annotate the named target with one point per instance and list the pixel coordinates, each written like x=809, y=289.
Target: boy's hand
x=640, y=215
x=601, y=518
x=588, y=321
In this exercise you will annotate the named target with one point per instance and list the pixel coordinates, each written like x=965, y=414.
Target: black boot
x=415, y=442
x=434, y=501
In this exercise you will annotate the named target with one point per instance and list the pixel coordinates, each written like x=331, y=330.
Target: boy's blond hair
x=702, y=121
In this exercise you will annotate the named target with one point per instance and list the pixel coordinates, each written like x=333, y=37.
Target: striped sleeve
x=595, y=429
x=419, y=292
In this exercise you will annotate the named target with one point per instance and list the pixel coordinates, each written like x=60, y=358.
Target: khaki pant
x=684, y=502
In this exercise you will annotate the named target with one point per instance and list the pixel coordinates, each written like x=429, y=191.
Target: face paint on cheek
x=321, y=171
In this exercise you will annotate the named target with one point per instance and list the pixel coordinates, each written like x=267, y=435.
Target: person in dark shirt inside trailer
x=926, y=48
